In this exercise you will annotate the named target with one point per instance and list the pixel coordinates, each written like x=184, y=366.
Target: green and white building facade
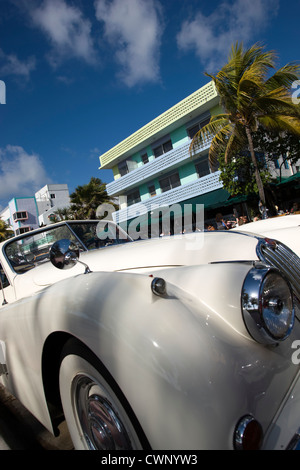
x=153, y=166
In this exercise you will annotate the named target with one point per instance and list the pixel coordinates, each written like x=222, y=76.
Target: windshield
x=33, y=249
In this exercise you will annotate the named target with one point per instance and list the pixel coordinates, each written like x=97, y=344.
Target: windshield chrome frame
x=46, y=228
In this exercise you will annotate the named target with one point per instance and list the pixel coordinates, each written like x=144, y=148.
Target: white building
x=283, y=167
x=50, y=198
x=27, y=213
x=21, y=214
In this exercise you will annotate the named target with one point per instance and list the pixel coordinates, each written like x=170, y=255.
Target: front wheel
x=96, y=418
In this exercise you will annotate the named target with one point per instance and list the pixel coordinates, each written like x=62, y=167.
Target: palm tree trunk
x=260, y=186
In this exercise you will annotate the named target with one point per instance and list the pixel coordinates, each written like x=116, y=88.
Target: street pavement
x=19, y=430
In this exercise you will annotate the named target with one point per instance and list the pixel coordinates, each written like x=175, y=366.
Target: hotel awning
x=218, y=198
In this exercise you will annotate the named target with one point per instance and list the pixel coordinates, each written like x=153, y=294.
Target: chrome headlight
x=267, y=303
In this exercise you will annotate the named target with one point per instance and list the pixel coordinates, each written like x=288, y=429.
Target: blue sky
x=82, y=75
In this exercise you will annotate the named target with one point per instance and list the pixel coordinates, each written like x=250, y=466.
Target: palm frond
x=236, y=143
x=254, y=60
x=278, y=100
x=219, y=144
x=250, y=96
x=207, y=132
x=284, y=77
x=281, y=123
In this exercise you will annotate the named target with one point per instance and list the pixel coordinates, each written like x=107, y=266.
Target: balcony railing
x=182, y=193
x=165, y=162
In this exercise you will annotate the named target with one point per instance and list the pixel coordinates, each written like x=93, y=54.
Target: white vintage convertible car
x=182, y=342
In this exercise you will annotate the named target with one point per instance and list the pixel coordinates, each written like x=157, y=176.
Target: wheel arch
x=57, y=345
x=51, y=358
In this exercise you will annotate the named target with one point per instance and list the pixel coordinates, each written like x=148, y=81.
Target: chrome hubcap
x=100, y=423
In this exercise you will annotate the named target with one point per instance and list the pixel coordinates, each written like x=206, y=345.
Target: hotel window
x=202, y=168
x=126, y=166
x=145, y=158
x=133, y=198
x=162, y=148
x=192, y=131
x=169, y=182
x=20, y=216
x=123, y=168
x=21, y=230
x=152, y=190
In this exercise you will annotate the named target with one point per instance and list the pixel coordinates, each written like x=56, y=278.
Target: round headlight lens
x=277, y=306
x=267, y=302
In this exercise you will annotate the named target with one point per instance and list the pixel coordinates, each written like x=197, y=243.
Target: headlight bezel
x=253, y=309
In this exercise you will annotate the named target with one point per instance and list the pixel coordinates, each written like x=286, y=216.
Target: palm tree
x=250, y=97
x=86, y=199
x=63, y=213
x=5, y=231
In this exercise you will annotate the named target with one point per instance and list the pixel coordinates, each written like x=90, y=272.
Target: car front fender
x=186, y=368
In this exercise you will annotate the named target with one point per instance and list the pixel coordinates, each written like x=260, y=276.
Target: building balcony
x=182, y=193
x=158, y=166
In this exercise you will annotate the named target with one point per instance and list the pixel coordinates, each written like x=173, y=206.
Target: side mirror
x=64, y=254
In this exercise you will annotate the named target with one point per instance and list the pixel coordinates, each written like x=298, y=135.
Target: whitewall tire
x=96, y=418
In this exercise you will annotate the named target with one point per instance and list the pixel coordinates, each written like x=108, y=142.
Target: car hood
x=274, y=223
x=150, y=255
x=283, y=228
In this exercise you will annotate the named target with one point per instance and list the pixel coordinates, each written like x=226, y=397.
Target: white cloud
x=12, y=65
x=21, y=174
x=212, y=36
x=67, y=29
x=134, y=29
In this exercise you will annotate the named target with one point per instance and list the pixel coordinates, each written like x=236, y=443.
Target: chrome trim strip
x=294, y=443
x=278, y=255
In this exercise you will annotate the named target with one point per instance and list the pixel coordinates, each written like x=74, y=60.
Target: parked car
x=182, y=342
